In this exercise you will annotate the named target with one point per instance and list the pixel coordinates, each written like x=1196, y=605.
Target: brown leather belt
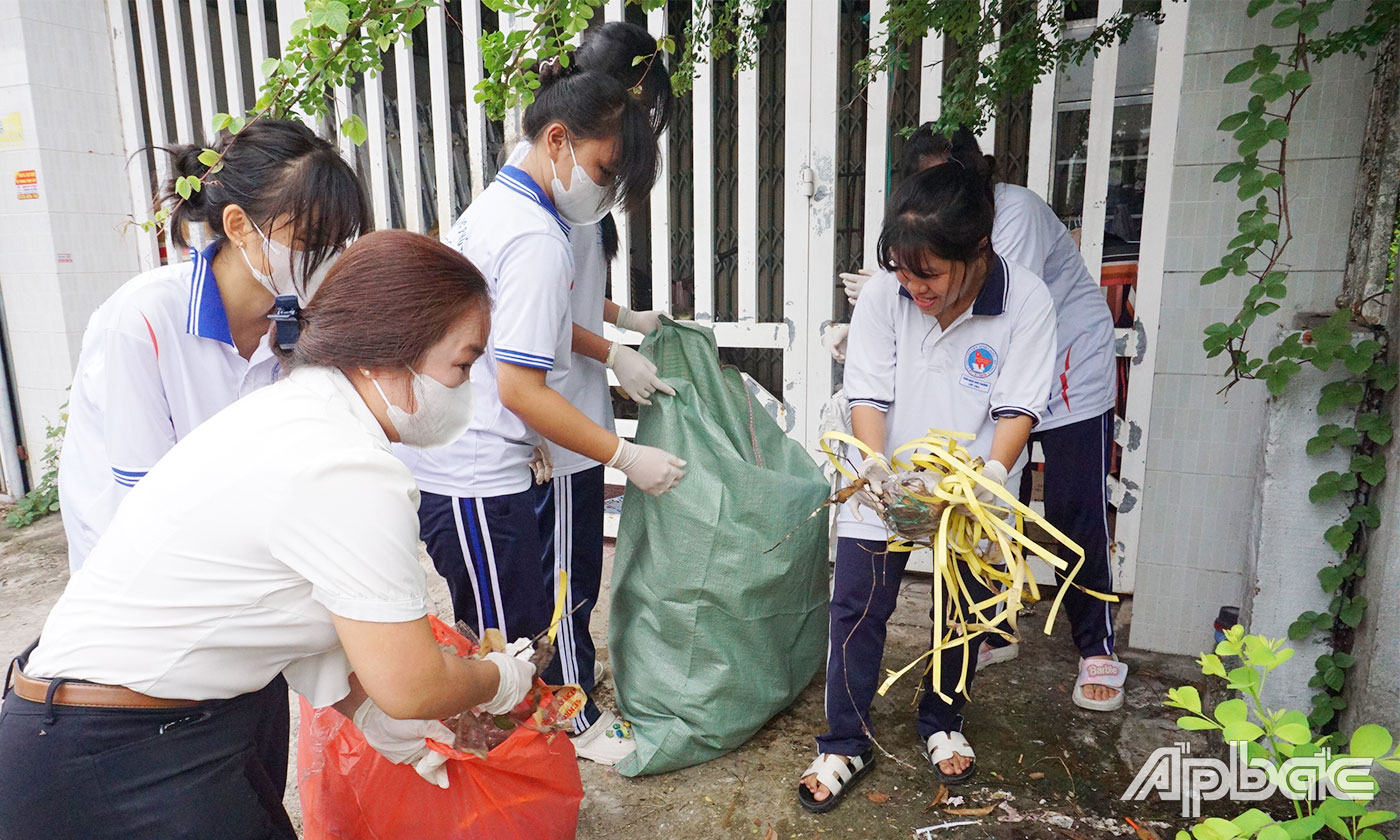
x=91, y=695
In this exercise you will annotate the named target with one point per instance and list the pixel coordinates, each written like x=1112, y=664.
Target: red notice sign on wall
x=26, y=184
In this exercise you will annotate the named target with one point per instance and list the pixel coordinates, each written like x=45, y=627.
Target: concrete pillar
x=64, y=195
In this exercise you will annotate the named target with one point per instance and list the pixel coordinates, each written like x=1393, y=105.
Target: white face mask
x=286, y=266
x=584, y=202
x=442, y=416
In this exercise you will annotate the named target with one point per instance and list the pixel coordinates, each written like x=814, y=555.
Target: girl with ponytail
x=177, y=344
x=950, y=335
x=517, y=502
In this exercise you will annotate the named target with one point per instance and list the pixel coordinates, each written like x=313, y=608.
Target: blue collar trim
x=992, y=299
x=206, y=317
x=517, y=180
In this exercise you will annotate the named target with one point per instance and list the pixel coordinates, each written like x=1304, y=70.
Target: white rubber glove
x=542, y=464
x=405, y=741
x=993, y=471
x=642, y=322
x=876, y=472
x=636, y=374
x=517, y=675
x=835, y=341
x=855, y=282
x=653, y=470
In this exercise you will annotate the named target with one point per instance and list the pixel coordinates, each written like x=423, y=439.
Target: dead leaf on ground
x=877, y=797
x=770, y=834
x=969, y=812
x=938, y=798
x=1037, y=775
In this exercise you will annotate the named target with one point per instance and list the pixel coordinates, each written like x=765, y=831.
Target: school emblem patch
x=981, y=361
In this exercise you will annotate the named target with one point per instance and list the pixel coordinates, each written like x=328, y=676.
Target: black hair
x=594, y=105
x=273, y=169
x=927, y=143
x=613, y=48
x=946, y=210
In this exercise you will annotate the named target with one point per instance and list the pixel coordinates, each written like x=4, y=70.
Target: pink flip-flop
x=1106, y=672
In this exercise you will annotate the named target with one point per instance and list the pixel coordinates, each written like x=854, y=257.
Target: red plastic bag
x=528, y=787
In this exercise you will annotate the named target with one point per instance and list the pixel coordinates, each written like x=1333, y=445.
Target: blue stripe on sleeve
x=529, y=360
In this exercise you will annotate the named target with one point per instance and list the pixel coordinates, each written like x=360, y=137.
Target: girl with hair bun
x=499, y=527
x=175, y=345
x=951, y=335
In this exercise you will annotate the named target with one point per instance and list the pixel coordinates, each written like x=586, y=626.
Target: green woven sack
x=709, y=636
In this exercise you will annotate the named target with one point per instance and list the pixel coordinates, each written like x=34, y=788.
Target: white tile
x=1174, y=612
x=71, y=120
x=74, y=182
x=1221, y=505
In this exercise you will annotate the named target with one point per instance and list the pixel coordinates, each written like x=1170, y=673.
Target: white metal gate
x=220, y=45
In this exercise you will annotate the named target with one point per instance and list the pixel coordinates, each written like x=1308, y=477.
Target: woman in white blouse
x=279, y=538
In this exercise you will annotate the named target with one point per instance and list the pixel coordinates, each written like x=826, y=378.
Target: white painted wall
x=64, y=252
x=1206, y=450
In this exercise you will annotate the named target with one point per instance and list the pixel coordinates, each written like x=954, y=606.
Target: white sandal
x=838, y=773
x=942, y=746
x=1106, y=672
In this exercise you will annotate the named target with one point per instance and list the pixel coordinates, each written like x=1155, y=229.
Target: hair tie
x=286, y=315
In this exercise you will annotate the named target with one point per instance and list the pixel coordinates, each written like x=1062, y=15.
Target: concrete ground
x=1050, y=769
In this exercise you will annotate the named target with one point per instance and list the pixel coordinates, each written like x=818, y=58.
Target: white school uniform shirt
x=586, y=386
x=515, y=237
x=157, y=360
x=224, y=566
x=993, y=361
x=1084, y=380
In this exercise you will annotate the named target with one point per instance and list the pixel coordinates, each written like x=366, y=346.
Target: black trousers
x=216, y=770
x=1076, y=502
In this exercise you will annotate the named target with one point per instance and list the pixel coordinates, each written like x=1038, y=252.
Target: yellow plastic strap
x=953, y=477
x=559, y=597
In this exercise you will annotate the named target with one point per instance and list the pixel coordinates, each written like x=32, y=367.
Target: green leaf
x=1195, y=724
x=182, y=188
x=1186, y=697
x=1340, y=539
x=1211, y=666
x=1296, y=80
x=1294, y=732
x=354, y=129
x=1286, y=18
x=1304, y=827
x=1214, y=275
x=1233, y=122
x=1351, y=616
x=1300, y=629
x=1251, y=821
x=1257, y=6
x=1233, y=710
x=269, y=66
x=1319, y=444
x=220, y=122
x=1241, y=71
x=1278, y=130
x=1272, y=832
x=1243, y=730
x=208, y=157
x=1391, y=764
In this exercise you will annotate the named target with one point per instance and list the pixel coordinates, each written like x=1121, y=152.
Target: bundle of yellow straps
x=933, y=503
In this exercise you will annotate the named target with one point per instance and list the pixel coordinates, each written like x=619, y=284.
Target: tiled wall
x=1206, y=449
x=64, y=252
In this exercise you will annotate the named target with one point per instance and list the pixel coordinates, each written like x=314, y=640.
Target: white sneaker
x=989, y=655
x=606, y=742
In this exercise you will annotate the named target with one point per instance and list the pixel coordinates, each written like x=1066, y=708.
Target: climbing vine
x=1278, y=81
